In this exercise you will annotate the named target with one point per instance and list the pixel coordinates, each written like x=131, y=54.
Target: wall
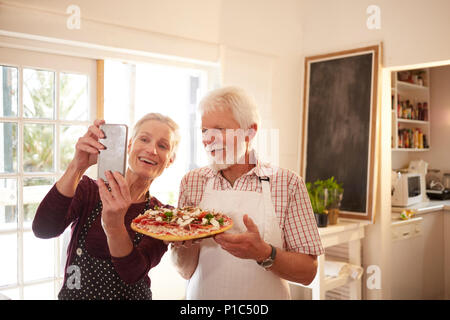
x=411, y=32
x=261, y=34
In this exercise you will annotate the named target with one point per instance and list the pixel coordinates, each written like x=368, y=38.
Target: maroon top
x=56, y=212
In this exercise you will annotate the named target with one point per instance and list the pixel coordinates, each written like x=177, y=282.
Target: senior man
x=274, y=237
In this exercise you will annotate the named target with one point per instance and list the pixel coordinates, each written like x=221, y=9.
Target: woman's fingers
x=95, y=131
x=86, y=148
x=105, y=195
x=123, y=186
x=115, y=189
x=99, y=122
x=119, y=187
x=90, y=145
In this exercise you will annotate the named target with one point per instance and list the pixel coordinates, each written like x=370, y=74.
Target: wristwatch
x=267, y=263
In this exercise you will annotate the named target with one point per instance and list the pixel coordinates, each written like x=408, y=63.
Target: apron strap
x=265, y=184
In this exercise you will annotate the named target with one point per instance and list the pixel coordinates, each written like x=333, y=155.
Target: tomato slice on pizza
x=181, y=224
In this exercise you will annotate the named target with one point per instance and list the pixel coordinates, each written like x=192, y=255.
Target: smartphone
x=114, y=157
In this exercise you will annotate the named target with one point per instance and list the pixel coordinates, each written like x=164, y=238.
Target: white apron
x=222, y=276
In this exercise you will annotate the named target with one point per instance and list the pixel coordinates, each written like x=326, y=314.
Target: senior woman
x=106, y=259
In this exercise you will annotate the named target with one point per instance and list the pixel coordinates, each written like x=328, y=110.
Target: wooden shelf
x=401, y=120
x=410, y=149
x=402, y=91
x=408, y=85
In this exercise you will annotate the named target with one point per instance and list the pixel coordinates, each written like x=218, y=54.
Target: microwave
x=406, y=189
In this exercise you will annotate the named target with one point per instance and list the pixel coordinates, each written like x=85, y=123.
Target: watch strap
x=267, y=263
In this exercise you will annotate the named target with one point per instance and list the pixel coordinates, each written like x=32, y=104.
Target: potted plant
x=325, y=197
x=335, y=193
x=318, y=196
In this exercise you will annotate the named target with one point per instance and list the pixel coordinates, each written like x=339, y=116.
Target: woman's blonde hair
x=164, y=119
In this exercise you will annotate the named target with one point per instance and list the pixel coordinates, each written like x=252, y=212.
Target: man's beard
x=223, y=163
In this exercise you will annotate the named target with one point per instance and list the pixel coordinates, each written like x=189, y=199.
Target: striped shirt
x=289, y=197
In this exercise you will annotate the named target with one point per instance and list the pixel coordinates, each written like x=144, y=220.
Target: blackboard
x=339, y=125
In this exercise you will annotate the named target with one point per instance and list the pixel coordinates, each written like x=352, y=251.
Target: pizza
x=181, y=223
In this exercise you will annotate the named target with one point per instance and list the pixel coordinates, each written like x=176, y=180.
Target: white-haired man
x=274, y=237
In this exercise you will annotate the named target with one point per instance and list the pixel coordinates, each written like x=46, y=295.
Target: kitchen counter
x=425, y=207
x=342, y=226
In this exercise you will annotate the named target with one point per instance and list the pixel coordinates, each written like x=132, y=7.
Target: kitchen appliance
x=446, y=180
x=439, y=194
x=438, y=189
x=420, y=167
x=406, y=188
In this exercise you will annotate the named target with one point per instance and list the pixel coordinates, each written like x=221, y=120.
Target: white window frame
x=22, y=59
x=85, y=51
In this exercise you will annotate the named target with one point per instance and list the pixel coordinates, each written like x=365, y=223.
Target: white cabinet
x=410, y=94
x=417, y=261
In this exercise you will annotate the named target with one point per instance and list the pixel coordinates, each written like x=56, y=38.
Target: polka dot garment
x=96, y=278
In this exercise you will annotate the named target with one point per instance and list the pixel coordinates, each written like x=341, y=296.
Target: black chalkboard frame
x=366, y=213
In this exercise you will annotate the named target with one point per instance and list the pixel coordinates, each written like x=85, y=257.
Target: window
x=133, y=90
x=45, y=105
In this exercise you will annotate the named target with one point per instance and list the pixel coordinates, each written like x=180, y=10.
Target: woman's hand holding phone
x=116, y=201
x=86, y=154
x=115, y=206
x=88, y=147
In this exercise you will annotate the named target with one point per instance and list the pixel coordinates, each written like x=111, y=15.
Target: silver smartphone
x=114, y=157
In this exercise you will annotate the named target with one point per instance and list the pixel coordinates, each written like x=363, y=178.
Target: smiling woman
x=111, y=260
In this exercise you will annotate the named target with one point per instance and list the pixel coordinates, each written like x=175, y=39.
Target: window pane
x=38, y=94
x=118, y=91
x=38, y=147
x=8, y=92
x=10, y=294
x=8, y=147
x=39, y=257
x=73, y=97
x=44, y=291
x=34, y=191
x=8, y=204
x=67, y=140
x=8, y=266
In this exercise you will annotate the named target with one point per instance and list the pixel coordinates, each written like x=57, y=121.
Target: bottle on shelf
x=425, y=111
x=412, y=139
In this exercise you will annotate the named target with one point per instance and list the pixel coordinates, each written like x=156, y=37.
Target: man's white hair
x=242, y=105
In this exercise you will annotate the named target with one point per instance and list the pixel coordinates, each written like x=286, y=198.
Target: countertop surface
x=425, y=207
x=342, y=225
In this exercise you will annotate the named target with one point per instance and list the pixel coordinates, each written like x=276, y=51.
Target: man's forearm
x=295, y=267
x=185, y=260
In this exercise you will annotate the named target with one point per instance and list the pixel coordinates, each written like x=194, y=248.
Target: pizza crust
x=171, y=237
